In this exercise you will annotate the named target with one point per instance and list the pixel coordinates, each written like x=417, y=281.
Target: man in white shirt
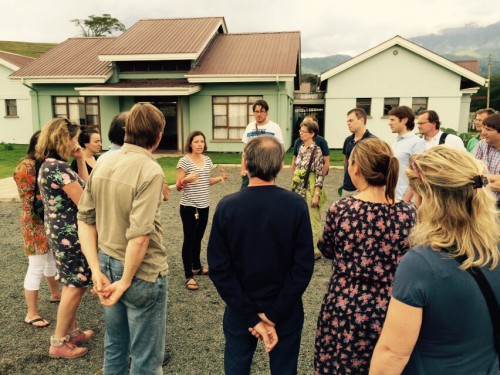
x=401, y=121
x=261, y=126
x=428, y=126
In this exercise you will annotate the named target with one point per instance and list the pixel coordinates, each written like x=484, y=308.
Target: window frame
x=88, y=101
x=11, y=108
x=365, y=103
x=388, y=106
x=250, y=100
x=415, y=103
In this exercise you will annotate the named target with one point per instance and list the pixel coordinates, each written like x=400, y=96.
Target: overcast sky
x=327, y=26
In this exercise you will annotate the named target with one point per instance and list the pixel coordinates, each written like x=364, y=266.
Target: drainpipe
x=37, y=104
x=278, y=86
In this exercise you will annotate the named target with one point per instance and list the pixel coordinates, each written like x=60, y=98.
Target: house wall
x=14, y=129
x=279, y=97
x=388, y=74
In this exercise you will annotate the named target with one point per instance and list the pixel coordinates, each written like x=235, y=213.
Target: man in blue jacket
x=261, y=260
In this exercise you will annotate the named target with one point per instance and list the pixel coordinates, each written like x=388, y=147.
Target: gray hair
x=264, y=157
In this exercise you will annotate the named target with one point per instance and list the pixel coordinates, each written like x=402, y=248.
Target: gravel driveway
x=194, y=325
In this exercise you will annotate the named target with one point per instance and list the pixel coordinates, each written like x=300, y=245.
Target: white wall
x=403, y=75
x=14, y=129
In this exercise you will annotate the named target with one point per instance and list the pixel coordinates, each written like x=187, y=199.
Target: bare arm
x=83, y=172
x=74, y=191
x=293, y=164
x=398, y=338
x=494, y=180
x=243, y=166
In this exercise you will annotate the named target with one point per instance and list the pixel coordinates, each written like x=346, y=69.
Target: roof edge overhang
x=415, y=48
x=138, y=91
x=470, y=90
x=215, y=78
x=9, y=65
x=64, y=79
x=150, y=57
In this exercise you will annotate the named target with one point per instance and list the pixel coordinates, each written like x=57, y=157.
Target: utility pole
x=490, y=59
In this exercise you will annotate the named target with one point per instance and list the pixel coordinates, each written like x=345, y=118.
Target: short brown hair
x=377, y=164
x=432, y=116
x=489, y=111
x=311, y=125
x=493, y=121
x=56, y=136
x=189, y=140
x=143, y=124
x=402, y=112
x=359, y=112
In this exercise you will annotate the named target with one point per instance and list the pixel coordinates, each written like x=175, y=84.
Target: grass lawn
x=10, y=158
x=26, y=48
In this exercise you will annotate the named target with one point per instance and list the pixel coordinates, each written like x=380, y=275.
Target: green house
x=199, y=75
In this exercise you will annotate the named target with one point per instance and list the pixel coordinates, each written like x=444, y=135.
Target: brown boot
x=61, y=348
x=77, y=336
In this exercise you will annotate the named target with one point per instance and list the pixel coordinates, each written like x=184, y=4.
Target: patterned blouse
x=302, y=163
x=32, y=228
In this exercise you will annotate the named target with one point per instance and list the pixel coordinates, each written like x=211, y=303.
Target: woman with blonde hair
x=40, y=257
x=61, y=189
x=438, y=321
x=365, y=236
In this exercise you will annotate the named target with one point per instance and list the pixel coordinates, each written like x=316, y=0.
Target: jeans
x=135, y=325
x=240, y=344
x=194, y=229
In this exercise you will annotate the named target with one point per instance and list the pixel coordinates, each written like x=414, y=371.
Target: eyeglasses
x=259, y=112
x=303, y=131
x=423, y=123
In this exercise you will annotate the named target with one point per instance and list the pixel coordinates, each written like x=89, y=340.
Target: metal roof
x=471, y=65
x=250, y=54
x=14, y=59
x=165, y=37
x=74, y=58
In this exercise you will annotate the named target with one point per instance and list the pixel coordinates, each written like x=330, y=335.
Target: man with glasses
x=428, y=126
x=488, y=150
x=478, y=123
x=261, y=126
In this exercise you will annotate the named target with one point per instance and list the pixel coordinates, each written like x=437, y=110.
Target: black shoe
x=166, y=359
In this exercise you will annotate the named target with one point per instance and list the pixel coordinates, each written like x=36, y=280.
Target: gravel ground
x=194, y=336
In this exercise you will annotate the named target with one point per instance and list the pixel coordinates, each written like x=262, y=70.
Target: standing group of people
x=383, y=308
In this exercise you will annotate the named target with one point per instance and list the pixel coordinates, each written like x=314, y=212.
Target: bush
x=7, y=146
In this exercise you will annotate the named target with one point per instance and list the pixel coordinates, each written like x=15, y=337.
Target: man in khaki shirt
x=121, y=237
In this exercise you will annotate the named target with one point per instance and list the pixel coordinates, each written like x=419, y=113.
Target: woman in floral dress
x=310, y=185
x=40, y=257
x=61, y=189
x=365, y=236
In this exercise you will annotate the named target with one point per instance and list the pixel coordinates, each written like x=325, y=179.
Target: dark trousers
x=194, y=229
x=240, y=344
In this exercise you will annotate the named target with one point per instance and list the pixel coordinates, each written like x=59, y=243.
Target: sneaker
x=61, y=348
x=77, y=336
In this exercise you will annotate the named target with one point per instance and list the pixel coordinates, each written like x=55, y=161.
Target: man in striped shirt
x=488, y=150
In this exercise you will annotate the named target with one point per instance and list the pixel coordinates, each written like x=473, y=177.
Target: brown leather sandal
x=191, y=284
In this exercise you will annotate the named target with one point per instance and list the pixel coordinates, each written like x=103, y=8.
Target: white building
x=396, y=72
x=16, y=124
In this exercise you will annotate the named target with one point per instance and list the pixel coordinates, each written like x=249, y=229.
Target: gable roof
x=14, y=61
x=471, y=65
x=73, y=61
x=249, y=57
x=164, y=39
x=415, y=48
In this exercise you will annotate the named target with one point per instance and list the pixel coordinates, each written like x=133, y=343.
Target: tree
x=99, y=25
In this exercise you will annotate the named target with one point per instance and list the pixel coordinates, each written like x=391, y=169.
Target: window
x=82, y=110
x=366, y=104
x=231, y=115
x=419, y=104
x=10, y=107
x=390, y=103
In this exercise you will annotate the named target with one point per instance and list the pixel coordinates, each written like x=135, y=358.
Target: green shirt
x=471, y=145
x=122, y=199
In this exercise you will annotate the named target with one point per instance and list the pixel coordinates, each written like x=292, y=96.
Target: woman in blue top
x=193, y=178
x=438, y=320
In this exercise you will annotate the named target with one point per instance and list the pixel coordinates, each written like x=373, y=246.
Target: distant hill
x=461, y=43
x=26, y=48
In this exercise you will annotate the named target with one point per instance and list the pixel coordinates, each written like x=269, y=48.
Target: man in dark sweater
x=261, y=260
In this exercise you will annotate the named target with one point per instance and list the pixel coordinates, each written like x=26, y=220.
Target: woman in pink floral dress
x=61, y=189
x=40, y=257
x=365, y=236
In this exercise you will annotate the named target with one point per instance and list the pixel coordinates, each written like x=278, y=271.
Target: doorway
x=167, y=106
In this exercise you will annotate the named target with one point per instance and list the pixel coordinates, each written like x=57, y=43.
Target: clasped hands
x=108, y=293
x=265, y=330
